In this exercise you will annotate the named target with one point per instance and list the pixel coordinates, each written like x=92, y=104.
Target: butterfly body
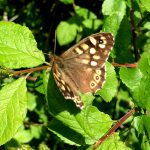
x=81, y=69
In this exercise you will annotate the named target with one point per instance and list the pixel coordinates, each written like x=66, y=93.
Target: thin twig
x=134, y=65
x=29, y=70
x=134, y=36
x=114, y=128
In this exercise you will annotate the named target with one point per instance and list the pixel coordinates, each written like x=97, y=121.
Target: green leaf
x=41, y=84
x=116, y=10
x=110, y=85
x=141, y=124
x=43, y=146
x=66, y=33
x=31, y=99
x=146, y=25
x=36, y=131
x=85, y=13
x=89, y=122
x=113, y=143
x=113, y=6
x=141, y=93
x=145, y=143
x=123, y=42
x=23, y=136
x=131, y=77
x=92, y=24
x=146, y=47
x=13, y=107
x=66, y=133
x=18, y=47
x=67, y=1
x=146, y=4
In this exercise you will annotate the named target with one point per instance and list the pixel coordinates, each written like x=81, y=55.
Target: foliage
x=33, y=112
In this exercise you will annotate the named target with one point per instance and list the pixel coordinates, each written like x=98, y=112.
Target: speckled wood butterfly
x=81, y=68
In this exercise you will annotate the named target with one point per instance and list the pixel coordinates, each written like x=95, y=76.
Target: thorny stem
x=114, y=128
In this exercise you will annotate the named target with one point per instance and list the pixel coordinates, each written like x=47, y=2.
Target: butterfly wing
x=82, y=67
x=101, y=42
x=85, y=62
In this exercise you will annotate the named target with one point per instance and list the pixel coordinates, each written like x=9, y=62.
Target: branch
x=114, y=128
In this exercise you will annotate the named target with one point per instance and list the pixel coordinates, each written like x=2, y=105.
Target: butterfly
x=82, y=68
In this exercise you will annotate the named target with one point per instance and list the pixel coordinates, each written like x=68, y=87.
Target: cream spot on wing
x=103, y=38
x=62, y=88
x=93, y=40
x=93, y=63
x=89, y=69
x=92, y=50
x=57, y=73
x=78, y=50
x=96, y=57
x=96, y=78
x=104, y=42
x=58, y=84
x=98, y=71
x=93, y=84
x=62, y=81
x=84, y=46
x=78, y=102
x=56, y=76
x=102, y=45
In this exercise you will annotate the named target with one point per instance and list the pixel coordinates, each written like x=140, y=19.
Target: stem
x=134, y=65
x=29, y=70
x=114, y=128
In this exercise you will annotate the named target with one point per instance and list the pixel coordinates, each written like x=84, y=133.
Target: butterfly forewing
x=81, y=69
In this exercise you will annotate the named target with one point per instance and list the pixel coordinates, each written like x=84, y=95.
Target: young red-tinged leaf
x=13, y=107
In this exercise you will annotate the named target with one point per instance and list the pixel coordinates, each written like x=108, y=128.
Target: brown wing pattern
x=82, y=67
